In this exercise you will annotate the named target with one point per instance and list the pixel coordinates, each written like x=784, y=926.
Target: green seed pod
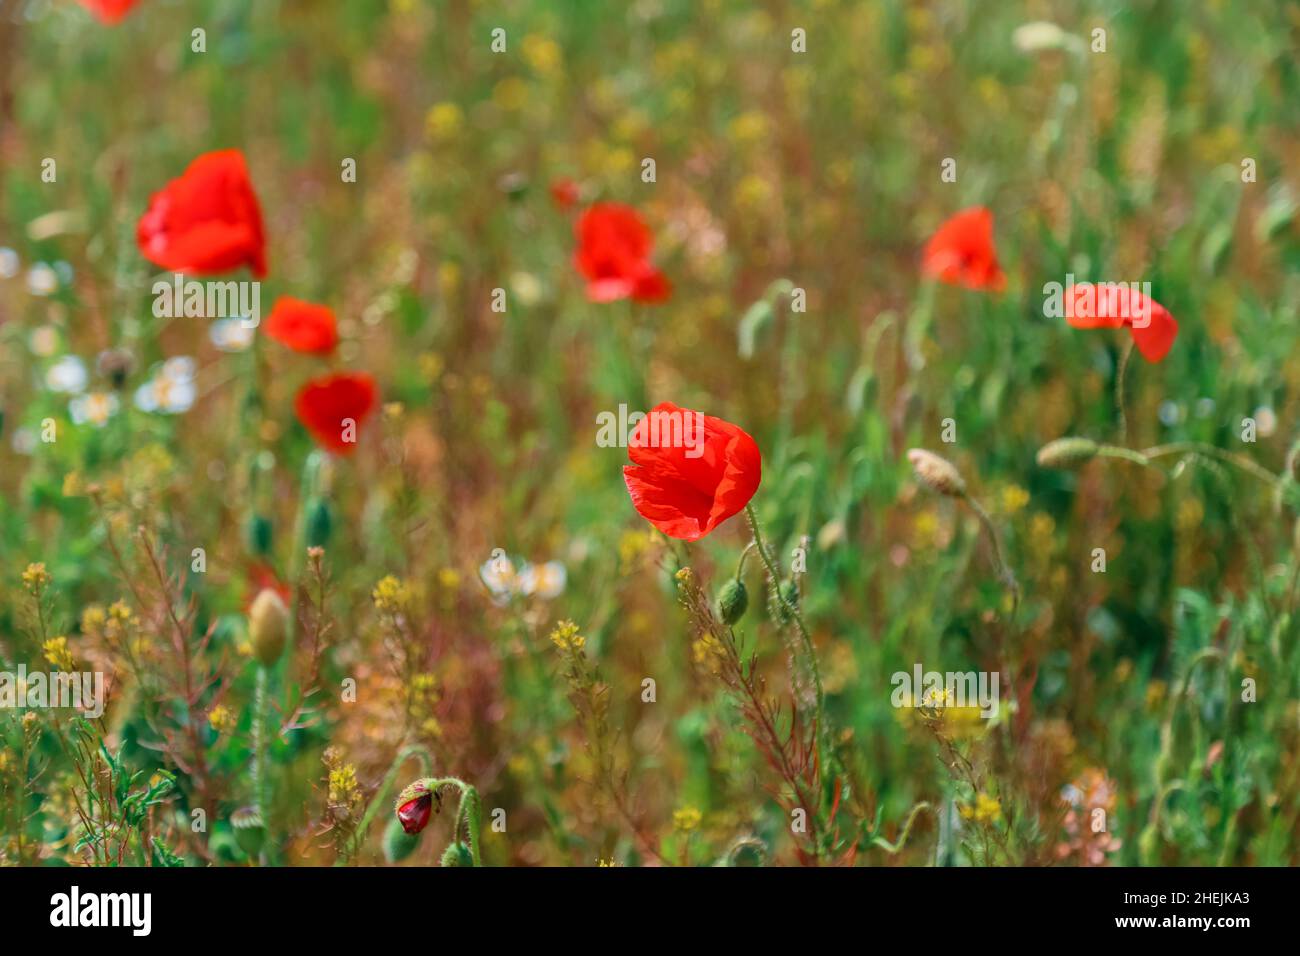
x=457, y=854
x=250, y=832
x=1066, y=452
x=259, y=535
x=320, y=522
x=733, y=601
x=398, y=844
x=268, y=627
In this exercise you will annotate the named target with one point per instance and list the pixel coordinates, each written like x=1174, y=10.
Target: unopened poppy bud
x=259, y=535
x=1066, y=452
x=268, y=627
x=937, y=474
x=415, y=806
x=789, y=592
x=398, y=844
x=250, y=832
x=319, y=523
x=733, y=600
x=457, y=854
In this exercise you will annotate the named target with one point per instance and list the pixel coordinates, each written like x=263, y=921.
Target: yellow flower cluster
x=566, y=637
x=344, y=791
x=687, y=819
x=424, y=697
x=36, y=578
x=58, y=654
x=221, y=719
x=391, y=595
x=986, y=810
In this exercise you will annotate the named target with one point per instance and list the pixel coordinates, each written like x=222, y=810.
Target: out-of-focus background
x=822, y=166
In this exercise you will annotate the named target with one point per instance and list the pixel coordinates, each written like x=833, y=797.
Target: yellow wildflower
x=566, y=637
x=986, y=810
x=444, y=121
x=391, y=595
x=57, y=653
x=687, y=819
x=36, y=578
x=221, y=719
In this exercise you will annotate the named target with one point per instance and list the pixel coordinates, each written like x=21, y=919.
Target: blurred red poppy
x=1108, y=305
x=614, y=248
x=691, y=471
x=109, y=11
x=961, y=252
x=206, y=221
x=334, y=407
x=564, y=193
x=262, y=577
x=303, y=326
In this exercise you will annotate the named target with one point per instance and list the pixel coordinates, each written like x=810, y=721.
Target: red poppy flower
x=206, y=221
x=961, y=252
x=691, y=471
x=334, y=407
x=1110, y=305
x=109, y=11
x=614, y=248
x=564, y=193
x=303, y=326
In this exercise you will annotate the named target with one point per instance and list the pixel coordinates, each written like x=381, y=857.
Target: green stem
x=1119, y=389
x=898, y=844
x=260, y=797
x=1004, y=570
x=791, y=610
x=386, y=787
x=1228, y=458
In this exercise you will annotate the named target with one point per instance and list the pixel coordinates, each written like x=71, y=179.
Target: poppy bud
x=789, y=592
x=250, y=832
x=319, y=523
x=733, y=600
x=457, y=854
x=937, y=474
x=415, y=806
x=259, y=535
x=1066, y=452
x=268, y=627
x=398, y=844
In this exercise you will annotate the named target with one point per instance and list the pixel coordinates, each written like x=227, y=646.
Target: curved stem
x=1004, y=570
x=386, y=787
x=1210, y=451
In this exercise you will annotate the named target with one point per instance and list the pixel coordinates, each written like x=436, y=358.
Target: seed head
x=268, y=627
x=937, y=474
x=1066, y=452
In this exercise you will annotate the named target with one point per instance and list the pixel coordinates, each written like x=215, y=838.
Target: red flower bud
x=415, y=806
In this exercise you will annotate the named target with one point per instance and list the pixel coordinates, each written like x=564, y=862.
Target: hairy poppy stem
x=385, y=787
x=260, y=796
x=1228, y=458
x=1004, y=570
x=774, y=581
x=1120, y=373
x=1147, y=456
